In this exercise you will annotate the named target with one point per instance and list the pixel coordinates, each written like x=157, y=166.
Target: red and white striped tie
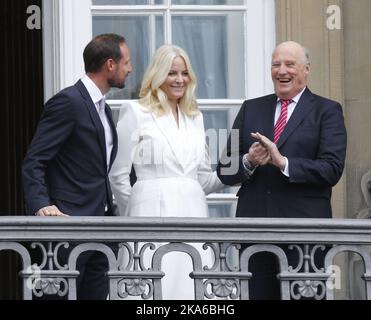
x=282, y=120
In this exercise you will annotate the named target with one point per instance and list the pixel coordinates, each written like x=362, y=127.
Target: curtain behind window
x=22, y=101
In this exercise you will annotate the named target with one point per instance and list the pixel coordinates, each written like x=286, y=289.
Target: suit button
x=269, y=192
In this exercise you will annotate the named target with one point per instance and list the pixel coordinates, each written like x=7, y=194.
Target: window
x=229, y=43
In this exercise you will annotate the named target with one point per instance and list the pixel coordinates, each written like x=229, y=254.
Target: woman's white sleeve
x=127, y=132
x=208, y=179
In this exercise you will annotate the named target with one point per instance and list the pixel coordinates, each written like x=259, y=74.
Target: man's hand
x=258, y=155
x=276, y=157
x=50, y=211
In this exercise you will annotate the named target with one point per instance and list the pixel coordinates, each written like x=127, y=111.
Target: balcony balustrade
x=125, y=241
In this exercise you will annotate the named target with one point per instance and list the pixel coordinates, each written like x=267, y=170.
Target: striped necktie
x=282, y=120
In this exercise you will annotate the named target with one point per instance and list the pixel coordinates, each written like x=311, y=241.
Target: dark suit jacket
x=66, y=162
x=314, y=141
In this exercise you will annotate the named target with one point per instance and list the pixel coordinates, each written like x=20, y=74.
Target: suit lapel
x=114, y=134
x=94, y=117
x=301, y=110
x=167, y=129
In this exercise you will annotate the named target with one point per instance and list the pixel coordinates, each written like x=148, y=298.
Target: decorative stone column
x=306, y=21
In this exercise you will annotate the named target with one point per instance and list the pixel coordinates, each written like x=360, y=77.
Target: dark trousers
x=92, y=282
x=264, y=284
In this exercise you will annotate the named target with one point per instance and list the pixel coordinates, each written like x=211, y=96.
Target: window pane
x=217, y=127
x=126, y=2
x=137, y=32
x=222, y=210
x=208, y=2
x=215, y=45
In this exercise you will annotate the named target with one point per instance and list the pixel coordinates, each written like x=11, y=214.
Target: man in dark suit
x=65, y=171
x=303, y=137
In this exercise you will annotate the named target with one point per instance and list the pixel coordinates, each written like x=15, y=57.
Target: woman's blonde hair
x=155, y=99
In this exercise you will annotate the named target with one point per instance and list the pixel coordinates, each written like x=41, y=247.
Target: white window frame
x=68, y=28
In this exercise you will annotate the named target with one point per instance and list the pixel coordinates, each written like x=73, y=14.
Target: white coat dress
x=173, y=176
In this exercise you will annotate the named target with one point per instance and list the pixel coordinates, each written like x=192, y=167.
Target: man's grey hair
x=306, y=55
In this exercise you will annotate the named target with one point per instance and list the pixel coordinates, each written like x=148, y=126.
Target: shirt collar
x=297, y=97
x=93, y=90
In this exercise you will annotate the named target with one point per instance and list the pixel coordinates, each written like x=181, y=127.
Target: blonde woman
x=163, y=137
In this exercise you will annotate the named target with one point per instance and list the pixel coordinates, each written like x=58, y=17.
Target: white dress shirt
x=99, y=102
x=290, y=109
